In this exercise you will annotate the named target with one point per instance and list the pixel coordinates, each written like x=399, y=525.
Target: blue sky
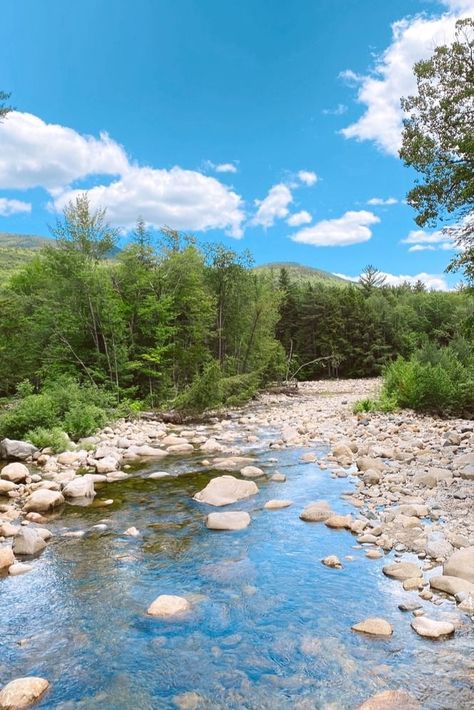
x=268, y=125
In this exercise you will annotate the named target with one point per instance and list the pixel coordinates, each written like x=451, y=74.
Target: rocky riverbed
x=409, y=498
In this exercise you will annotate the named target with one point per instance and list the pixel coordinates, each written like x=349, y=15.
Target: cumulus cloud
x=425, y=241
x=380, y=201
x=351, y=228
x=307, y=177
x=434, y=282
x=34, y=153
x=9, y=207
x=38, y=154
x=220, y=167
x=182, y=199
x=274, y=206
x=299, y=218
x=413, y=38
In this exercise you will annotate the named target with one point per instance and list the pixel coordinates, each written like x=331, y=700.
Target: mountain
x=300, y=272
x=18, y=249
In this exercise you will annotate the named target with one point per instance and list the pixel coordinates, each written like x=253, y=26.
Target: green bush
x=63, y=405
x=54, y=438
x=204, y=393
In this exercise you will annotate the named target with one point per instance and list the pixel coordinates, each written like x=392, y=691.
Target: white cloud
x=274, y=206
x=299, y=218
x=38, y=154
x=226, y=168
x=413, y=38
x=351, y=228
x=307, y=177
x=380, y=201
x=424, y=241
x=9, y=207
x=434, y=282
x=182, y=199
x=338, y=111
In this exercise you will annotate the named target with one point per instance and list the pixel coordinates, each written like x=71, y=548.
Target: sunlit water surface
x=270, y=626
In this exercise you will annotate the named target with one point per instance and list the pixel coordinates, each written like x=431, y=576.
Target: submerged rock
x=430, y=628
x=374, y=627
x=225, y=490
x=22, y=692
x=168, y=605
x=233, y=520
x=391, y=700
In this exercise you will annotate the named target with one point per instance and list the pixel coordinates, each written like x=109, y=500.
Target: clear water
x=270, y=626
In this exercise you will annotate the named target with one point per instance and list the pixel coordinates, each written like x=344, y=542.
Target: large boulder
x=252, y=472
x=15, y=472
x=80, y=487
x=7, y=558
x=233, y=520
x=168, y=605
x=13, y=449
x=461, y=564
x=107, y=464
x=43, y=500
x=391, y=700
x=451, y=585
x=28, y=542
x=431, y=629
x=225, y=490
x=22, y=692
x=402, y=570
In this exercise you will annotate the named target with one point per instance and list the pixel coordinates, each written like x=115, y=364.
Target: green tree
x=370, y=279
x=4, y=107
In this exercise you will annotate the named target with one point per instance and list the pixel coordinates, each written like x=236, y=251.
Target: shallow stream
x=270, y=626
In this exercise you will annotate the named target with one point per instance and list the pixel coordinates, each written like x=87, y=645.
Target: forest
x=171, y=324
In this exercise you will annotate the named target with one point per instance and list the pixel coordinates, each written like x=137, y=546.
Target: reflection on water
x=270, y=626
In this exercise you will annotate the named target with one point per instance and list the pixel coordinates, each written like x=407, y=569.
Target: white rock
x=430, y=628
x=43, y=500
x=232, y=520
x=80, y=487
x=225, y=490
x=7, y=558
x=19, y=568
x=167, y=605
x=15, y=472
x=22, y=692
x=276, y=504
x=252, y=472
x=28, y=542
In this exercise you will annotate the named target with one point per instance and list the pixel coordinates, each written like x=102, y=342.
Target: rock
x=374, y=627
x=412, y=583
x=225, y=490
x=432, y=629
x=79, y=487
x=391, y=700
x=432, y=478
x=15, y=472
x=43, y=500
x=402, y=570
x=316, y=512
x=467, y=473
x=6, y=487
x=409, y=606
x=365, y=463
x=233, y=520
x=159, y=474
x=371, y=477
x=278, y=477
x=342, y=454
x=437, y=546
x=107, y=464
x=451, y=585
x=308, y=457
x=22, y=692
x=188, y=701
x=467, y=605
x=167, y=605
x=145, y=451
x=116, y=476
x=332, y=561
x=69, y=458
x=8, y=530
x=374, y=554
x=339, y=522
x=28, y=542
x=211, y=446
x=180, y=449
x=461, y=564
x=252, y=472
x=132, y=532
x=7, y=558
x=19, y=568
x=277, y=504
x=13, y=449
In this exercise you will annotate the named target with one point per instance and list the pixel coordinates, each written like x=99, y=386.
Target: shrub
x=54, y=438
x=204, y=393
x=84, y=419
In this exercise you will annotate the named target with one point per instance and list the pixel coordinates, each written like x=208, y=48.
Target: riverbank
x=404, y=484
